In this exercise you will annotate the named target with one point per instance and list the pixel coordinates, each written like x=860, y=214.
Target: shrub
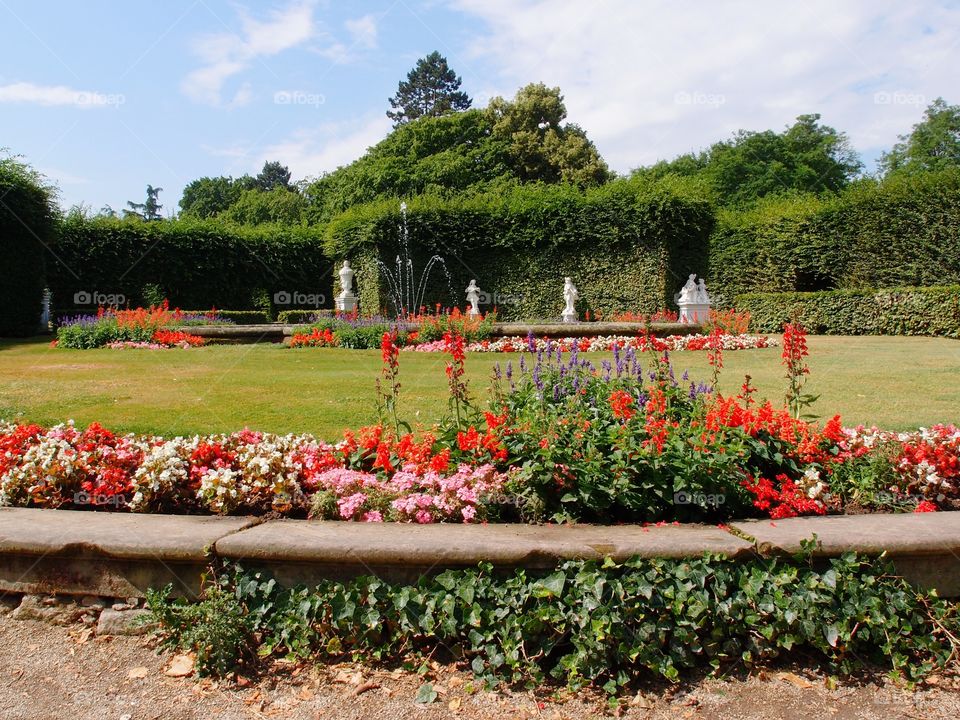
x=28, y=216
x=897, y=311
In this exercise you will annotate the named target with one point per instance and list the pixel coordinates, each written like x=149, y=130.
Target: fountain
x=406, y=290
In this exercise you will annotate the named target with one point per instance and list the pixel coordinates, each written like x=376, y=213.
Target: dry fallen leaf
x=252, y=698
x=641, y=701
x=455, y=704
x=363, y=687
x=454, y=682
x=794, y=679
x=305, y=694
x=180, y=666
x=138, y=673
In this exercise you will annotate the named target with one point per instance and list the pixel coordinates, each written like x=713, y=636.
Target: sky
x=104, y=96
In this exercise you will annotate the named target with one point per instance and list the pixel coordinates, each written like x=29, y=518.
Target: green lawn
x=897, y=383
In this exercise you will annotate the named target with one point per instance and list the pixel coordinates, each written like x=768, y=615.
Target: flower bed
x=560, y=439
x=146, y=328
x=604, y=343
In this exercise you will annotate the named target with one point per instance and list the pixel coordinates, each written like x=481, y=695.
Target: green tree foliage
x=147, y=210
x=258, y=207
x=431, y=89
x=806, y=157
x=436, y=155
x=934, y=143
x=267, y=198
x=541, y=147
x=28, y=216
x=511, y=142
x=274, y=174
x=210, y=196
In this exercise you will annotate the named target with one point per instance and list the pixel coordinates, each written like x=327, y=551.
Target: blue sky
x=105, y=97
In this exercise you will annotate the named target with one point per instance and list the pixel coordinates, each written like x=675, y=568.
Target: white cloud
x=311, y=151
x=649, y=81
x=227, y=54
x=53, y=95
x=363, y=31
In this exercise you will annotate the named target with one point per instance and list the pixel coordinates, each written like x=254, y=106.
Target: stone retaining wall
x=65, y=552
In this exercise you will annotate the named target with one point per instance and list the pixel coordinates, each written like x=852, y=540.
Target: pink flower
x=372, y=516
x=349, y=505
x=423, y=517
x=469, y=512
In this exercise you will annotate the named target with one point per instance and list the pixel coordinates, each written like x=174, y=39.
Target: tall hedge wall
x=627, y=245
x=897, y=311
x=901, y=232
x=195, y=264
x=27, y=220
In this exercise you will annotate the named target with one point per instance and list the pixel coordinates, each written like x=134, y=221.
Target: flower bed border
x=118, y=555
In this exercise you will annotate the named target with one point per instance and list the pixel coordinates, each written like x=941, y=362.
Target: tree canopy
x=431, y=89
x=806, y=157
x=149, y=209
x=934, y=143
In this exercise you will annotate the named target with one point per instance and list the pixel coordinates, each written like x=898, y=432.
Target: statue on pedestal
x=570, y=296
x=346, y=301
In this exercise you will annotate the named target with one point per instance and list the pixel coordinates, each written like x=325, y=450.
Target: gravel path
x=49, y=672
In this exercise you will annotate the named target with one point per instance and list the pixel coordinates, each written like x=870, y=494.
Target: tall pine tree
x=430, y=90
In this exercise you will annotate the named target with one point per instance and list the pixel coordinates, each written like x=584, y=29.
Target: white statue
x=689, y=290
x=694, y=301
x=570, y=296
x=703, y=298
x=346, y=301
x=473, y=297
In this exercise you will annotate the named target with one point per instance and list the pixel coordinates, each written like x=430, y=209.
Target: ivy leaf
x=426, y=694
x=550, y=586
x=832, y=635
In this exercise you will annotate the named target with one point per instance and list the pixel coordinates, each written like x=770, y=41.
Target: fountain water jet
x=406, y=290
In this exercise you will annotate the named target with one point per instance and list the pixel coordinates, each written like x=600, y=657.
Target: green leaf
x=426, y=694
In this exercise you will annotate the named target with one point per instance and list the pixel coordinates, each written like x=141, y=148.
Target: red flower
x=621, y=403
x=389, y=350
x=925, y=506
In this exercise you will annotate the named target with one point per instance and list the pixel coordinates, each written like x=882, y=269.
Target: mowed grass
x=895, y=383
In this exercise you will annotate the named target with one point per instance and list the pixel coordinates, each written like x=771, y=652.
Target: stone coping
x=510, y=545
x=590, y=329
x=896, y=534
x=276, y=332
x=122, y=536
x=76, y=552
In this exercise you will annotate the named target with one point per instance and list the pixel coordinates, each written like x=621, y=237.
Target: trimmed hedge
x=627, y=245
x=27, y=220
x=199, y=264
x=239, y=317
x=904, y=231
x=301, y=317
x=896, y=311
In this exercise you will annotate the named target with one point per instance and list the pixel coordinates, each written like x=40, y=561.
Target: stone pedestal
x=694, y=312
x=345, y=302
x=569, y=317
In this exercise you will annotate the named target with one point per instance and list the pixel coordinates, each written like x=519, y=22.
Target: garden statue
x=694, y=301
x=570, y=296
x=473, y=297
x=346, y=301
x=703, y=298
